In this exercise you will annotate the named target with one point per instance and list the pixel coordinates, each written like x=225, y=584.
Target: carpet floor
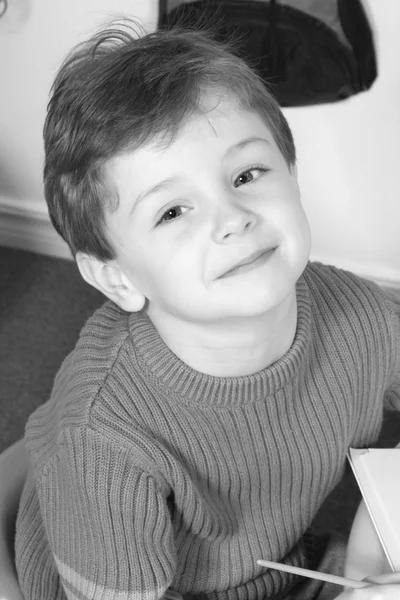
x=43, y=305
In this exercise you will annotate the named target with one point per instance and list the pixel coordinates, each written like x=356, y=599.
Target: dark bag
x=303, y=59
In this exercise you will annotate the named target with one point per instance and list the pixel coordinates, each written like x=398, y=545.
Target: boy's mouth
x=251, y=262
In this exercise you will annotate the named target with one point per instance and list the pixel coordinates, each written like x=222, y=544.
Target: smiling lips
x=251, y=262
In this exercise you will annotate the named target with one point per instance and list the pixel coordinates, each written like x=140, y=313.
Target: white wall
x=349, y=163
x=35, y=36
x=348, y=152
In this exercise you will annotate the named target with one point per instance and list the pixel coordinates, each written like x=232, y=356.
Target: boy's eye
x=248, y=176
x=171, y=214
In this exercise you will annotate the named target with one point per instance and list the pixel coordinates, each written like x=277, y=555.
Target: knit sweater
x=151, y=479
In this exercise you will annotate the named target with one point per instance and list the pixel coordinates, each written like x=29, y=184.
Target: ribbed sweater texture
x=150, y=479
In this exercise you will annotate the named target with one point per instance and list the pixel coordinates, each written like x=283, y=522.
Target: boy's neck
x=234, y=350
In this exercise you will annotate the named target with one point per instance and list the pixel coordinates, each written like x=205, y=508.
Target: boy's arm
x=14, y=464
x=392, y=399
x=107, y=524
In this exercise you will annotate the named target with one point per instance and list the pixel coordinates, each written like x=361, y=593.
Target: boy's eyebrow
x=246, y=142
x=161, y=185
x=166, y=183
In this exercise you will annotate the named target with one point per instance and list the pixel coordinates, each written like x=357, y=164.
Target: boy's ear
x=109, y=279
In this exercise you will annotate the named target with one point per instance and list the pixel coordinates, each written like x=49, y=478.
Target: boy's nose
x=232, y=220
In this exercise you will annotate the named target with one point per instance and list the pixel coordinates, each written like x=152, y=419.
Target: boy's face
x=218, y=196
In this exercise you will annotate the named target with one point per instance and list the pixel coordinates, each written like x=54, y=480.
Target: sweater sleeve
x=392, y=399
x=107, y=526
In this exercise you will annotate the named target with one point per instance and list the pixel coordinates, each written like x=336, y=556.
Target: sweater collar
x=166, y=371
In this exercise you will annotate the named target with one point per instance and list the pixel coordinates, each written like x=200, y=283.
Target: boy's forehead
x=218, y=117
x=212, y=104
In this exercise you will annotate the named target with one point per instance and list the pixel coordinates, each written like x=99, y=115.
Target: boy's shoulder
x=81, y=377
x=365, y=318
x=329, y=279
x=335, y=290
x=100, y=343
x=104, y=332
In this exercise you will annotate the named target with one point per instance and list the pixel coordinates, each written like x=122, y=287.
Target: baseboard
x=26, y=226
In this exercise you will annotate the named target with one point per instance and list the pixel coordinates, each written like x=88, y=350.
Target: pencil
x=351, y=583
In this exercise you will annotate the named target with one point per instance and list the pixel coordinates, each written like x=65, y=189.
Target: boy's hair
x=120, y=90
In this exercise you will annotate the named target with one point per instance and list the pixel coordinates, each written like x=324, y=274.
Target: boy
x=206, y=411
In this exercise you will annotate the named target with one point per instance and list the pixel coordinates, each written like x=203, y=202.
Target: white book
x=377, y=472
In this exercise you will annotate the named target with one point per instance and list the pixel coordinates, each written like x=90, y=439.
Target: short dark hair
x=121, y=89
